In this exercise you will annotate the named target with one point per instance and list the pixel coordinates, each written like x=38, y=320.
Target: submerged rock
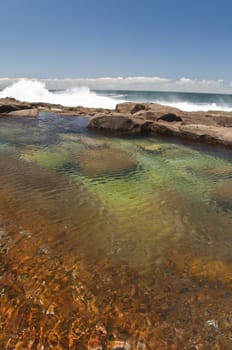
x=93, y=162
x=223, y=195
x=119, y=345
x=47, y=158
x=92, y=142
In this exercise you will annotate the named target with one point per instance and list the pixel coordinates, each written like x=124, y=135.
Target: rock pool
x=112, y=243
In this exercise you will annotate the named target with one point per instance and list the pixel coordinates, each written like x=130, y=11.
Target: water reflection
x=110, y=243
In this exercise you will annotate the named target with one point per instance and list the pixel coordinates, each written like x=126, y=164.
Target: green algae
x=47, y=159
x=54, y=157
x=123, y=250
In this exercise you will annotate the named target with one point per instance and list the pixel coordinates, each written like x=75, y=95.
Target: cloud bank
x=133, y=83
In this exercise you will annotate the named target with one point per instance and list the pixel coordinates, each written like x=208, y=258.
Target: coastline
x=129, y=118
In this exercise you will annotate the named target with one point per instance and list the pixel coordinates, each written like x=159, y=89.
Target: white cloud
x=200, y=84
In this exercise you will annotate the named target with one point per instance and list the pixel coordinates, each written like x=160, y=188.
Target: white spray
x=36, y=91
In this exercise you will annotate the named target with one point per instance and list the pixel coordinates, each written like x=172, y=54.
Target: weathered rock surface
x=200, y=132
x=223, y=195
x=14, y=108
x=118, y=123
x=69, y=111
x=153, y=118
x=137, y=118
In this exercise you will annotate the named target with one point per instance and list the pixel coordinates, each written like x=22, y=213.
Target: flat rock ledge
x=131, y=118
x=12, y=108
x=151, y=118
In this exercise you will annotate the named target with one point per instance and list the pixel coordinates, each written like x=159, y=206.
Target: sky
x=185, y=41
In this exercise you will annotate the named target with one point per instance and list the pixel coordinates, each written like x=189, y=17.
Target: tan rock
x=118, y=123
x=31, y=113
x=9, y=105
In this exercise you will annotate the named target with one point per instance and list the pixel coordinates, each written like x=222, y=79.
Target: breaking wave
x=36, y=91
x=194, y=107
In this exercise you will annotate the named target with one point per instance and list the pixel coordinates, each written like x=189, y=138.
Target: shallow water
x=112, y=243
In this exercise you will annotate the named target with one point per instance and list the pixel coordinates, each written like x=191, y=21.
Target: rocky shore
x=137, y=118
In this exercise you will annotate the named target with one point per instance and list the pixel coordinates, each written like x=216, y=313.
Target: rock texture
x=118, y=123
x=105, y=162
x=210, y=127
x=137, y=118
x=14, y=108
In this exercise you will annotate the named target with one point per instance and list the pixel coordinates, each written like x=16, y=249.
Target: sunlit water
x=112, y=243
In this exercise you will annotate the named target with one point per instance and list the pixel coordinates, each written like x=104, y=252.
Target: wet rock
x=137, y=118
x=170, y=117
x=30, y=113
x=223, y=195
x=107, y=161
x=92, y=142
x=14, y=108
x=165, y=128
x=212, y=134
x=214, y=270
x=94, y=343
x=120, y=124
x=209, y=127
x=197, y=132
x=119, y=345
x=8, y=105
x=130, y=107
x=212, y=323
x=141, y=345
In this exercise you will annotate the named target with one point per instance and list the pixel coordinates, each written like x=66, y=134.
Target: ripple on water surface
x=112, y=243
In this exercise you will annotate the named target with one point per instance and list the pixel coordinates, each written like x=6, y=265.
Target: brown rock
x=130, y=107
x=119, y=345
x=12, y=107
x=107, y=161
x=8, y=105
x=32, y=113
x=223, y=195
x=118, y=123
x=212, y=134
x=137, y=118
x=199, y=132
x=165, y=128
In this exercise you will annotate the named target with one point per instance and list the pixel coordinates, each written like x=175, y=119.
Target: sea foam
x=36, y=91
x=195, y=107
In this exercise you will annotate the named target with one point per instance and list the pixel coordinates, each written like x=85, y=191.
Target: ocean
x=36, y=91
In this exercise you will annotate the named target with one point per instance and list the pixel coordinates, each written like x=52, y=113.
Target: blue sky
x=95, y=38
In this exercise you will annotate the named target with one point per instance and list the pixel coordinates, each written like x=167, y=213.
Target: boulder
x=199, y=132
x=118, y=123
x=165, y=128
x=223, y=195
x=130, y=107
x=136, y=118
x=31, y=113
x=13, y=107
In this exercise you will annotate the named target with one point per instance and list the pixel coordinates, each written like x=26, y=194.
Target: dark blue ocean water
x=182, y=100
